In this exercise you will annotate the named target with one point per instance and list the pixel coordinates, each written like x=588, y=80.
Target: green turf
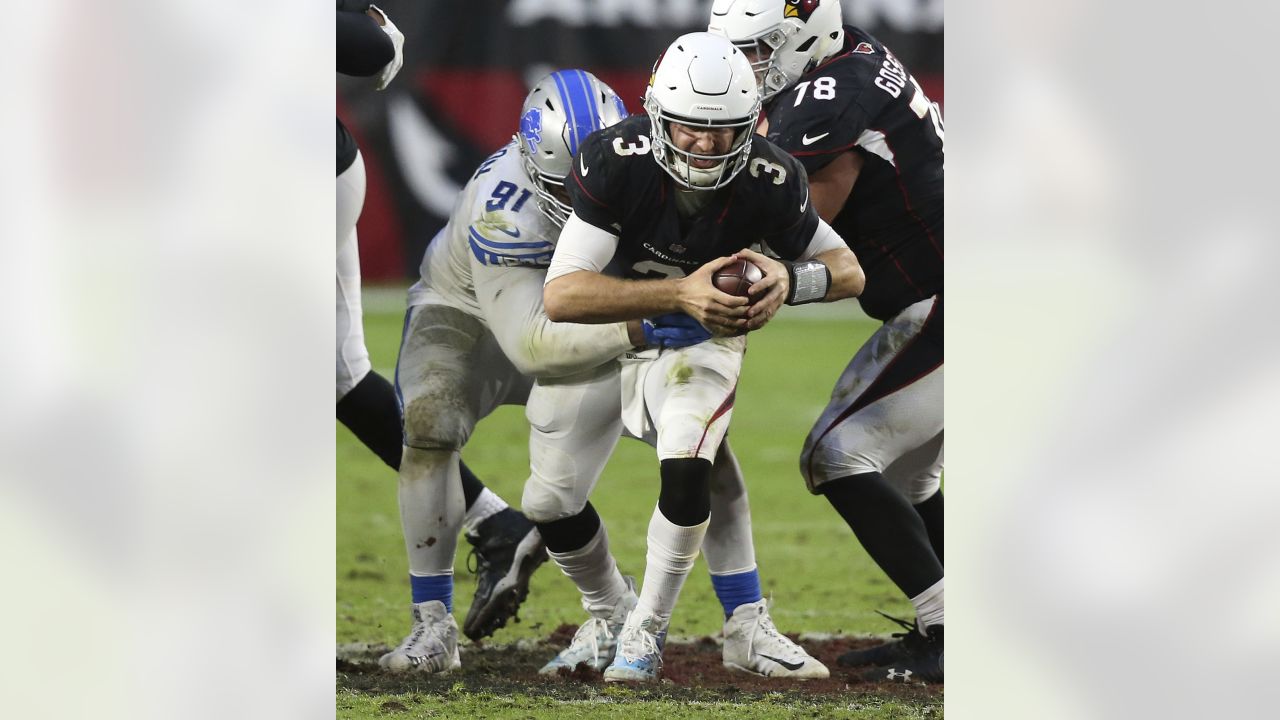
x=616, y=703
x=818, y=576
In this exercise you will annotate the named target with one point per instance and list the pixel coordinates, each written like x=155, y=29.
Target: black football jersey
x=863, y=99
x=616, y=186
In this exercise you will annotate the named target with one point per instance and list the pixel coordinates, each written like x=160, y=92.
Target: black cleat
x=507, y=549
x=921, y=660
x=883, y=654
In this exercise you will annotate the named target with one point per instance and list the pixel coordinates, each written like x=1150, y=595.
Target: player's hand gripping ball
x=736, y=277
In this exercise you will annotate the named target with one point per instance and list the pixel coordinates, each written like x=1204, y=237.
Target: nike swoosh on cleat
x=805, y=139
x=784, y=663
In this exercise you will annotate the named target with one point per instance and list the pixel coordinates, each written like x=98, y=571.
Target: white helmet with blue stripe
x=560, y=111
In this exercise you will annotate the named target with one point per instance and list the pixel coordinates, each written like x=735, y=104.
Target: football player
x=369, y=44
x=474, y=334
x=668, y=198
x=840, y=102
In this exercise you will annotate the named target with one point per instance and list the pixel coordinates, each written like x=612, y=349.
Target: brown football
x=736, y=277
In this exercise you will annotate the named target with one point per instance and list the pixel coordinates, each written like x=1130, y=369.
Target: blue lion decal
x=531, y=128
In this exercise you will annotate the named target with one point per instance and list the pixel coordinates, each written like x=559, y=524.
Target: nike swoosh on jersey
x=783, y=663
x=805, y=139
x=582, y=165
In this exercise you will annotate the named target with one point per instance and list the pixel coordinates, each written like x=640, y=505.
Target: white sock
x=431, y=509
x=595, y=572
x=929, y=606
x=486, y=506
x=672, y=550
x=728, y=547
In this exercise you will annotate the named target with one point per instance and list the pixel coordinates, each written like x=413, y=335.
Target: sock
x=930, y=511
x=737, y=589
x=672, y=550
x=889, y=529
x=929, y=607
x=486, y=506
x=594, y=571
x=728, y=547
x=432, y=587
x=430, y=495
x=471, y=485
x=372, y=413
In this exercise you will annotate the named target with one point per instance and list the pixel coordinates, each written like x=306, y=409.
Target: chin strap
x=809, y=282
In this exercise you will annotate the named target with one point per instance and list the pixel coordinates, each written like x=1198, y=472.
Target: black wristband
x=809, y=282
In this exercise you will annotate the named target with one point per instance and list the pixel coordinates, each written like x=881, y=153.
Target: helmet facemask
x=680, y=164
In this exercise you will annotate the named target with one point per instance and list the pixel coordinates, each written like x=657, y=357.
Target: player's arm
x=577, y=289
x=826, y=271
x=831, y=185
x=363, y=48
x=511, y=300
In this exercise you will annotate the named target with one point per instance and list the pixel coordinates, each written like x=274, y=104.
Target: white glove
x=397, y=39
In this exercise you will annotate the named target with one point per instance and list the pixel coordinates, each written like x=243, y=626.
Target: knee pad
x=544, y=502
x=438, y=421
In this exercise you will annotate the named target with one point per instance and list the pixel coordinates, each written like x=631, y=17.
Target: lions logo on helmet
x=531, y=128
x=800, y=8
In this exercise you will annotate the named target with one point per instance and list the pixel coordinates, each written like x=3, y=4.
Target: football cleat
x=596, y=640
x=639, y=655
x=883, y=654
x=507, y=549
x=753, y=645
x=432, y=645
x=921, y=660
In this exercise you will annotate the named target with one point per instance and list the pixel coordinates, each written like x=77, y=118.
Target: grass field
x=819, y=578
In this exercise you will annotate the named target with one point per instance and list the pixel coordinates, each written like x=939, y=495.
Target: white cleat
x=753, y=645
x=596, y=640
x=432, y=645
x=639, y=655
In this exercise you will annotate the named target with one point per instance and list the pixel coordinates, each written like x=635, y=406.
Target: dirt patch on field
x=693, y=670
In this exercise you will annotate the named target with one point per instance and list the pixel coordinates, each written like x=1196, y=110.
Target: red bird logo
x=800, y=8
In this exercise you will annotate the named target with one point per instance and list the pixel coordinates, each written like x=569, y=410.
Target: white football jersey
x=490, y=262
x=495, y=224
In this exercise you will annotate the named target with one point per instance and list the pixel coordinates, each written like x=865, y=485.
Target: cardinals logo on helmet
x=531, y=128
x=800, y=9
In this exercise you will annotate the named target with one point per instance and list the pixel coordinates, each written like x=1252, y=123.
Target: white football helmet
x=787, y=38
x=560, y=111
x=702, y=81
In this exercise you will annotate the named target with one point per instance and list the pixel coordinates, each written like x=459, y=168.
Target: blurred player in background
x=369, y=44
x=673, y=194
x=872, y=143
x=474, y=336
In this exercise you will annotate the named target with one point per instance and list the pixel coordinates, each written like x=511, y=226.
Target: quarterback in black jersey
x=840, y=103
x=664, y=200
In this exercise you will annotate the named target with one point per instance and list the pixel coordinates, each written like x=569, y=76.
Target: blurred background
x=468, y=66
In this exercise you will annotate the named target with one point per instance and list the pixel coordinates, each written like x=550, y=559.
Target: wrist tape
x=809, y=282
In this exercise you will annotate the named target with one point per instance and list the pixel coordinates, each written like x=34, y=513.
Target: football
x=736, y=277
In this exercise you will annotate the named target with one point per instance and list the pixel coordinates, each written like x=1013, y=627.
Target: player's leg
x=438, y=377
x=574, y=427
x=689, y=395
x=917, y=475
x=887, y=403
x=751, y=641
x=506, y=547
x=366, y=401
